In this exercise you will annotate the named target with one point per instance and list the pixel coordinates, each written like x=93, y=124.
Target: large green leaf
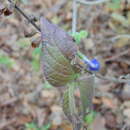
x=58, y=49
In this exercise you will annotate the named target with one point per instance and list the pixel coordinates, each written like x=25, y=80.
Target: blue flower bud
x=92, y=65
x=95, y=65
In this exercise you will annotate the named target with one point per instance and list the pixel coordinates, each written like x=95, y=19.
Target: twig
x=24, y=15
x=92, y=2
x=109, y=78
x=118, y=55
x=120, y=36
x=112, y=79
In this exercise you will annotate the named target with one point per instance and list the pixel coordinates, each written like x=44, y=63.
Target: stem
x=109, y=78
x=92, y=2
x=74, y=20
x=24, y=15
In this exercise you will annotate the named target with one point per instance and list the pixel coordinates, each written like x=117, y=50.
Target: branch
x=74, y=20
x=24, y=15
x=109, y=78
x=112, y=79
x=92, y=2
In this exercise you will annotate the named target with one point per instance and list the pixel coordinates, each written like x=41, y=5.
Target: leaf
x=36, y=51
x=46, y=127
x=78, y=36
x=31, y=126
x=89, y=118
x=36, y=59
x=58, y=49
x=57, y=69
x=35, y=64
x=69, y=106
x=86, y=86
x=5, y=60
x=54, y=35
x=121, y=19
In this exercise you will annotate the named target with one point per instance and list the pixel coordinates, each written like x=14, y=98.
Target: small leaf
x=121, y=19
x=78, y=36
x=36, y=52
x=83, y=34
x=46, y=127
x=36, y=59
x=5, y=60
x=89, y=118
x=31, y=126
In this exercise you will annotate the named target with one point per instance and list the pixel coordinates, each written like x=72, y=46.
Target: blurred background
x=27, y=102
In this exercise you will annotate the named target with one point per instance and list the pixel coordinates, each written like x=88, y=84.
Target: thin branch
x=112, y=79
x=92, y=2
x=24, y=15
x=120, y=36
x=74, y=18
x=116, y=57
x=109, y=78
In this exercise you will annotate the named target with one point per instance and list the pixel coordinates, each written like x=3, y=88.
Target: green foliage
x=6, y=60
x=36, y=59
x=89, y=118
x=114, y=4
x=33, y=126
x=79, y=35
